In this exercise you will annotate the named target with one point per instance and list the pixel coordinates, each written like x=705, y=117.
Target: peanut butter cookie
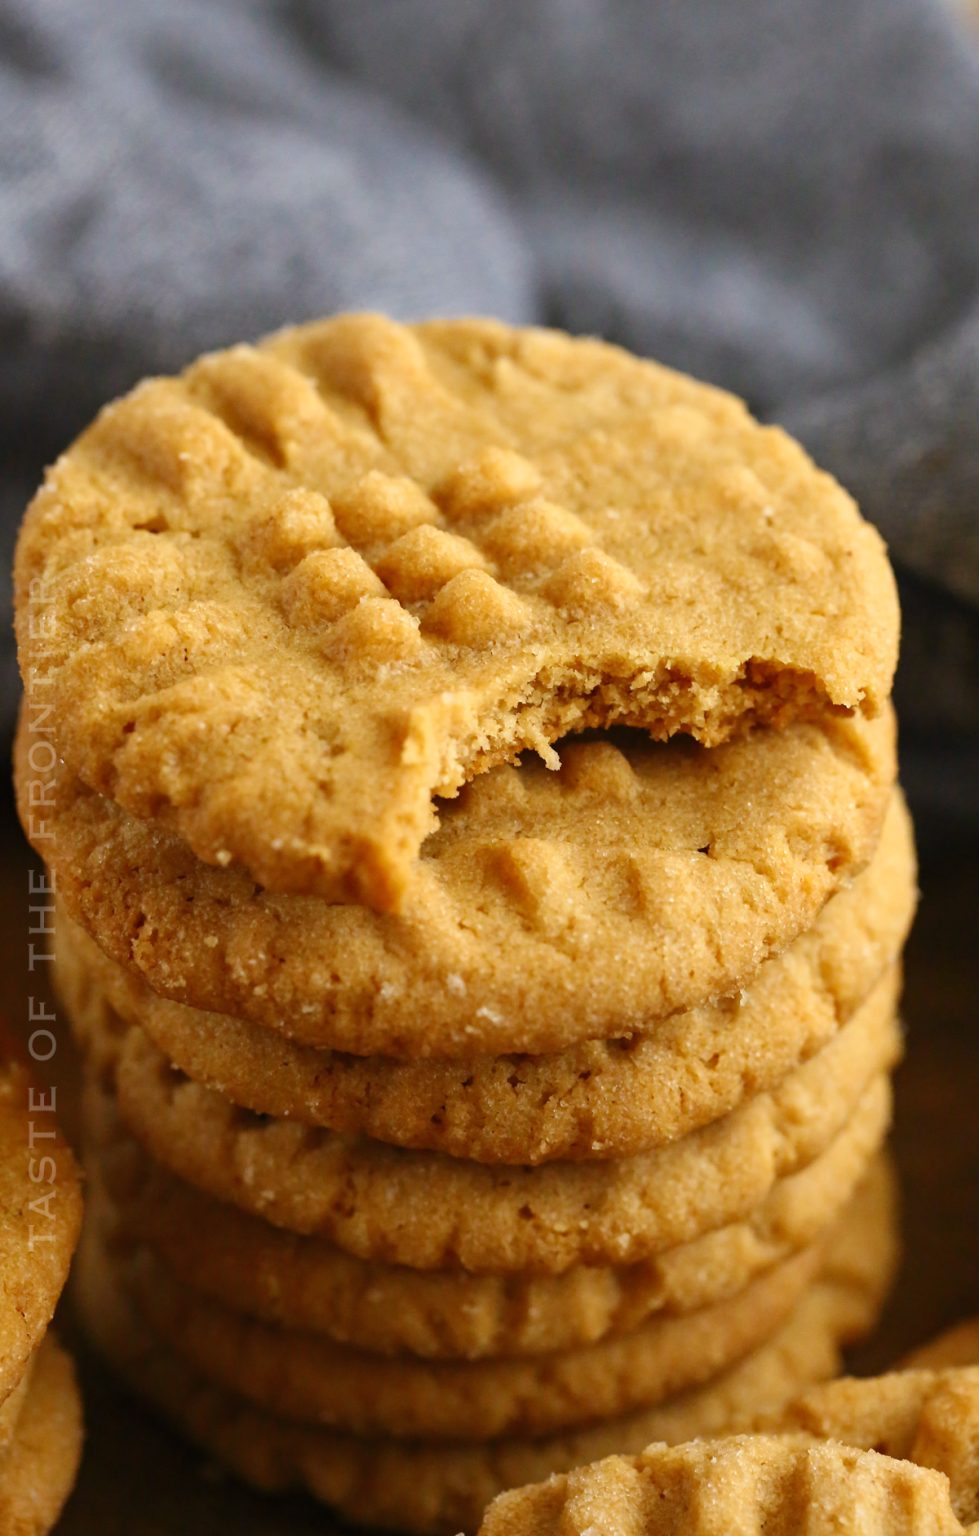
x=548, y=907
x=598, y=1100
x=281, y=601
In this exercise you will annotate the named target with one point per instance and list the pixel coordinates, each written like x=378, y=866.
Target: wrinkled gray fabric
x=776, y=195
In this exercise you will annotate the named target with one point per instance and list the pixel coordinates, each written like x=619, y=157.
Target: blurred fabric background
x=776, y=195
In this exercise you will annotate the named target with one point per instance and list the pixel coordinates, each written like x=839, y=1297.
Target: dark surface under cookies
x=139, y=1480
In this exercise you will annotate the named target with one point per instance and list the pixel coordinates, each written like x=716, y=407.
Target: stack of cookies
x=40, y=1219
x=482, y=885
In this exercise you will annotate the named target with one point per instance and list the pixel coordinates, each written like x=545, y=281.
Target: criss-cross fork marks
x=480, y=558
x=780, y=1485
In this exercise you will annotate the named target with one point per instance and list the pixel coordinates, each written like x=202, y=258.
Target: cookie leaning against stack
x=479, y=1144
x=40, y=1218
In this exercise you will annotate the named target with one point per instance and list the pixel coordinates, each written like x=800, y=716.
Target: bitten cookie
x=279, y=602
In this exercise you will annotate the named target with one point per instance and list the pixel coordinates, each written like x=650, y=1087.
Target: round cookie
x=548, y=908
x=39, y=1465
x=280, y=602
x=600, y=1099
x=312, y=1380
x=431, y=1212
x=40, y=1212
x=914, y=1432
x=435, y=1490
x=306, y=1283
x=736, y=1484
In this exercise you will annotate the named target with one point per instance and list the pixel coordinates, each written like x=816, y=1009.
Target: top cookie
x=282, y=601
x=40, y=1213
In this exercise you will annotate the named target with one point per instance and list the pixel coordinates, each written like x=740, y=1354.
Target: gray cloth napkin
x=776, y=195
